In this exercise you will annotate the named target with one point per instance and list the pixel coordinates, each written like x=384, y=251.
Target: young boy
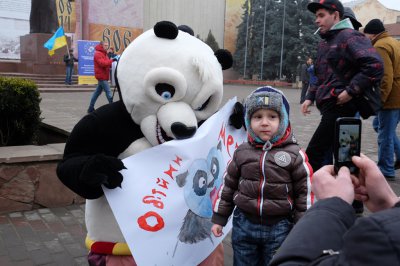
x=268, y=180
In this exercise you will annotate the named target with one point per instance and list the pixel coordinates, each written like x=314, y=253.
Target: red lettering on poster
x=155, y=191
x=164, y=183
x=178, y=160
x=170, y=171
x=142, y=222
x=151, y=200
x=155, y=200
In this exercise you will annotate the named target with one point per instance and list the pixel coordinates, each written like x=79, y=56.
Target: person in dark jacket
x=346, y=64
x=69, y=60
x=102, y=65
x=330, y=234
x=268, y=180
x=111, y=54
x=388, y=118
x=305, y=79
x=311, y=72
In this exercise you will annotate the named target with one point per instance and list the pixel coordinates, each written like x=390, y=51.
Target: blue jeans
x=68, y=74
x=388, y=142
x=255, y=244
x=102, y=85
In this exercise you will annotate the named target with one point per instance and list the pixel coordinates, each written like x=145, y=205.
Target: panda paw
x=236, y=119
x=104, y=170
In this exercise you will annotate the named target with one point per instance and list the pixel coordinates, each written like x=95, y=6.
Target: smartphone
x=347, y=142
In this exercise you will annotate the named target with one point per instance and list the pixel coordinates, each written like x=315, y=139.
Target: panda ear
x=219, y=146
x=181, y=179
x=166, y=30
x=224, y=58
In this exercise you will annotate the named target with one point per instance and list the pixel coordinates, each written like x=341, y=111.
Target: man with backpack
x=346, y=66
x=388, y=118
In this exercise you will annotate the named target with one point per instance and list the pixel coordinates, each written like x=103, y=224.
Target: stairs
x=52, y=83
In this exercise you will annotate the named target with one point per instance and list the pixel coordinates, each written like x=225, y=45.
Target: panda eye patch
x=166, y=91
x=204, y=105
x=200, y=183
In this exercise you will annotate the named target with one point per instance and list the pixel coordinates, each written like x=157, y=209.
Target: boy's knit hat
x=375, y=26
x=268, y=98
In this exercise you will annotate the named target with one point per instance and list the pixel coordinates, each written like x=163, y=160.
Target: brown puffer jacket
x=267, y=186
x=389, y=49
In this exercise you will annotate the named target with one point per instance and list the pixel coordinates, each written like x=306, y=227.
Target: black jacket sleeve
x=321, y=228
x=372, y=240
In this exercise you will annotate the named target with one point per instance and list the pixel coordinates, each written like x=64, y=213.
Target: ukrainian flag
x=58, y=40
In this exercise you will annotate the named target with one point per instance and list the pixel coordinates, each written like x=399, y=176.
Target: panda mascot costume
x=169, y=82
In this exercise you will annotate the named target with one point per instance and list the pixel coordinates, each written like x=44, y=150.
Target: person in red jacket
x=102, y=65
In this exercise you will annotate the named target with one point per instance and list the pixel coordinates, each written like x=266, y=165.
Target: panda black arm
x=90, y=156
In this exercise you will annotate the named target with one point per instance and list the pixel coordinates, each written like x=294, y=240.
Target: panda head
x=169, y=81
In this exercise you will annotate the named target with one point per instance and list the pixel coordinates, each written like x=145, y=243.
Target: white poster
x=164, y=207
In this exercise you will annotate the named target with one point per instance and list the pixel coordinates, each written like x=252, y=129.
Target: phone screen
x=349, y=138
x=347, y=142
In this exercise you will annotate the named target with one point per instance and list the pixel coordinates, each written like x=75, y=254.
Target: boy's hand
x=216, y=229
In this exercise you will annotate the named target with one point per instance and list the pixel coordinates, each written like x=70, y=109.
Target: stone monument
x=43, y=24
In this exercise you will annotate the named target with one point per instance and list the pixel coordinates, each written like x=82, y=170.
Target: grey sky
x=392, y=4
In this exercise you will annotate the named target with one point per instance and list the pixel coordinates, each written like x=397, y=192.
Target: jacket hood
x=100, y=48
x=341, y=25
x=380, y=36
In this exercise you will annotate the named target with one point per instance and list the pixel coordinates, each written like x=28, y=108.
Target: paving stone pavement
x=55, y=236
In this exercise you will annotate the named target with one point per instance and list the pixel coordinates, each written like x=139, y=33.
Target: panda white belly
x=99, y=218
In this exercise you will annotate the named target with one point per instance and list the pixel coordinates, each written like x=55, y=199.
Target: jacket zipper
x=267, y=146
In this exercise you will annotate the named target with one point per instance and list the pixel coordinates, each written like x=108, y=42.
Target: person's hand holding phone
x=347, y=142
x=371, y=186
x=327, y=185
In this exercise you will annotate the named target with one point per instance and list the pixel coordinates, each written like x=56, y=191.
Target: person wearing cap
x=346, y=64
x=387, y=118
x=69, y=60
x=268, y=180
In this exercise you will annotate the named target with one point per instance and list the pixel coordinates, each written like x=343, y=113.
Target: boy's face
x=265, y=123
